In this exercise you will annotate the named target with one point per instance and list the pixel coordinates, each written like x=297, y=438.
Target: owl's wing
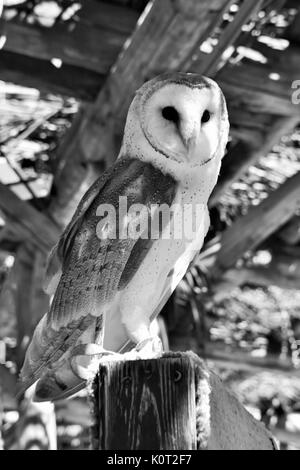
x=58, y=253
x=93, y=271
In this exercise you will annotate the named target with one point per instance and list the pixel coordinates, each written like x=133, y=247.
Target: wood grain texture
x=250, y=87
x=250, y=83
x=147, y=405
x=232, y=427
x=170, y=403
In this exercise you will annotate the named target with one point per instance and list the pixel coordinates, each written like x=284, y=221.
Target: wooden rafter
x=41, y=74
x=244, y=362
x=208, y=65
x=293, y=32
x=250, y=84
x=33, y=225
x=225, y=358
x=80, y=44
x=282, y=269
x=258, y=277
x=165, y=36
x=245, y=154
x=248, y=232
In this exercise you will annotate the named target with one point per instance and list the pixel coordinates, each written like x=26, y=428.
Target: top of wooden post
x=170, y=403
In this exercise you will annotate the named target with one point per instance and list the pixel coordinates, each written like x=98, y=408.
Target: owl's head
x=182, y=117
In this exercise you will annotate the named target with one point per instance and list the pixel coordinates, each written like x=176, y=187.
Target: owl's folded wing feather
x=92, y=272
x=57, y=254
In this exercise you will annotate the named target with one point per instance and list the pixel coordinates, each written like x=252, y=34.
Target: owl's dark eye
x=206, y=117
x=171, y=114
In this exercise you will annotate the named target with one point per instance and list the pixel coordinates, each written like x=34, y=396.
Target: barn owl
x=108, y=287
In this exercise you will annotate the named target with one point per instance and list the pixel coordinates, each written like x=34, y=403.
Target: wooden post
x=170, y=403
x=1, y=418
x=147, y=404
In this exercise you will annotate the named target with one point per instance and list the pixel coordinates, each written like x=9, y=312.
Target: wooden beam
x=73, y=176
x=34, y=225
x=261, y=221
x=248, y=126
x=10, y=237
x=209, y=63
x=112, y=17
x=254, y=80
x=164, y=39
x=282, y=270
x=165, y=36
x=241, y=93
x=82, y=45
x=293, y=32
x=250, y=85
x=244, y=362
x=66, y=195
x=290, y=234
x=260, y=277
x=245, y=154
x=234, y=359
x=41, y=74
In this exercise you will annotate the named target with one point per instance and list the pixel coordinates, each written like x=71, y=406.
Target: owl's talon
x=91, y=354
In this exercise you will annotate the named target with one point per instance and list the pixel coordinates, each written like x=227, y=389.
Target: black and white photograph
x=149, y=227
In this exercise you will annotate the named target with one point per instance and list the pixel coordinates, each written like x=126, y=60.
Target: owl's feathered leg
x=147, y=340
x=141, y=332
x=149, y=348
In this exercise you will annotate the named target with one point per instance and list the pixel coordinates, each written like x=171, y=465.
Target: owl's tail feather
x=48, y=357
x=72, y=373
x=76, y=370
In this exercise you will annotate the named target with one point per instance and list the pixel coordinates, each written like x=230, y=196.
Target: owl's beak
x=189, y=132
